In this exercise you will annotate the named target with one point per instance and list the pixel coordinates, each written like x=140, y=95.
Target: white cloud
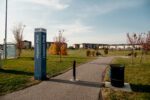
x=55, y=4
x=75, y=28
x=74, y=32
x=98, y=38
x=110, y=6
x=116, y=5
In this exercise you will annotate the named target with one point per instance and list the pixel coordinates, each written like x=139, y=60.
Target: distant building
x=90, y=46
x=109, y=46
x=86, y=46
x=27, y=44
x=102, y=46
x=76, y=46
x=48, y=44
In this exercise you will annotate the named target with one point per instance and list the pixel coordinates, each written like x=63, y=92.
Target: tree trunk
x=132, y=54
x=60, y=57
x=60, y=54
x=19, y=52
x=141, y=59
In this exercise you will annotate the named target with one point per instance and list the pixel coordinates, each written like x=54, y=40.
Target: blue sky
x=92, y=21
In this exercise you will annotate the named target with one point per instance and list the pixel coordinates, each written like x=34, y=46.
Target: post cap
x=40, y=30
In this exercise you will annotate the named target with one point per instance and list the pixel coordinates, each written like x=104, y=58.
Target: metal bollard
x=74, y=70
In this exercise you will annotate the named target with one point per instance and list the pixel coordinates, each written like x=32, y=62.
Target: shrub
x=88, y=53
x=98, y=53
x=135, y=54
x=71, y=47
x=93, y=53
x=105, y=51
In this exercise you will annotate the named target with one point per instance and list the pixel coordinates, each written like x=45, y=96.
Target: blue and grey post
x=40, y=54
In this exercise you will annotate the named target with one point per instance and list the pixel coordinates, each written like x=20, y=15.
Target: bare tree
x=145, y=43
x=18, y=35
x=59, y=41
x=133, y=40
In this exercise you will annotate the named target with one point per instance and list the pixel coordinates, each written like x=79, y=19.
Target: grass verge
x=17, y=74
x=138, y=77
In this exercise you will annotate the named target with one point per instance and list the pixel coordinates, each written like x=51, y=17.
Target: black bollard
x=74, y=70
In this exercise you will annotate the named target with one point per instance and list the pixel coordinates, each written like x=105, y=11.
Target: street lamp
x=5, y=40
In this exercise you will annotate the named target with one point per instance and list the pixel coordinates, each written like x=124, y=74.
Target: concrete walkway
x=61, y=88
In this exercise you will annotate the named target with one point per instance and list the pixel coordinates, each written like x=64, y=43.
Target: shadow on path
x=140, y=88
x=79, y=82
x=16, y=72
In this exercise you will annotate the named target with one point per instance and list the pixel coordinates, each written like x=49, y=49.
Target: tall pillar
x=40, y=54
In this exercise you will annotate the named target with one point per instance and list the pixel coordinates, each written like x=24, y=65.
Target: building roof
x=26, y=41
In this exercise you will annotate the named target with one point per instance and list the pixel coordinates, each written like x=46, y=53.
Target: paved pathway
x=61, y=88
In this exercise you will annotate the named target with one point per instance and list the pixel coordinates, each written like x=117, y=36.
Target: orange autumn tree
x=59, y=47
x=53, y=49
x=64, y=49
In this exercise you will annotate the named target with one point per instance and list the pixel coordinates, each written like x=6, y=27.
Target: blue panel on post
x=40, y=54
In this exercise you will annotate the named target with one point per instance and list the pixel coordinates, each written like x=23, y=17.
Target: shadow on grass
x=64, y=61
x=140, y=88
x=26, y=58
x=81, y=83
x=16, y=72
x=72, y=57
x=76, y=57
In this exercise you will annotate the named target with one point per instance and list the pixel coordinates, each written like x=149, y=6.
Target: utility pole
x=5, y=40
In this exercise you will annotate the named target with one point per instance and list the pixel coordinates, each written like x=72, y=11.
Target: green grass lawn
x=138, y=75
x=17, y=74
